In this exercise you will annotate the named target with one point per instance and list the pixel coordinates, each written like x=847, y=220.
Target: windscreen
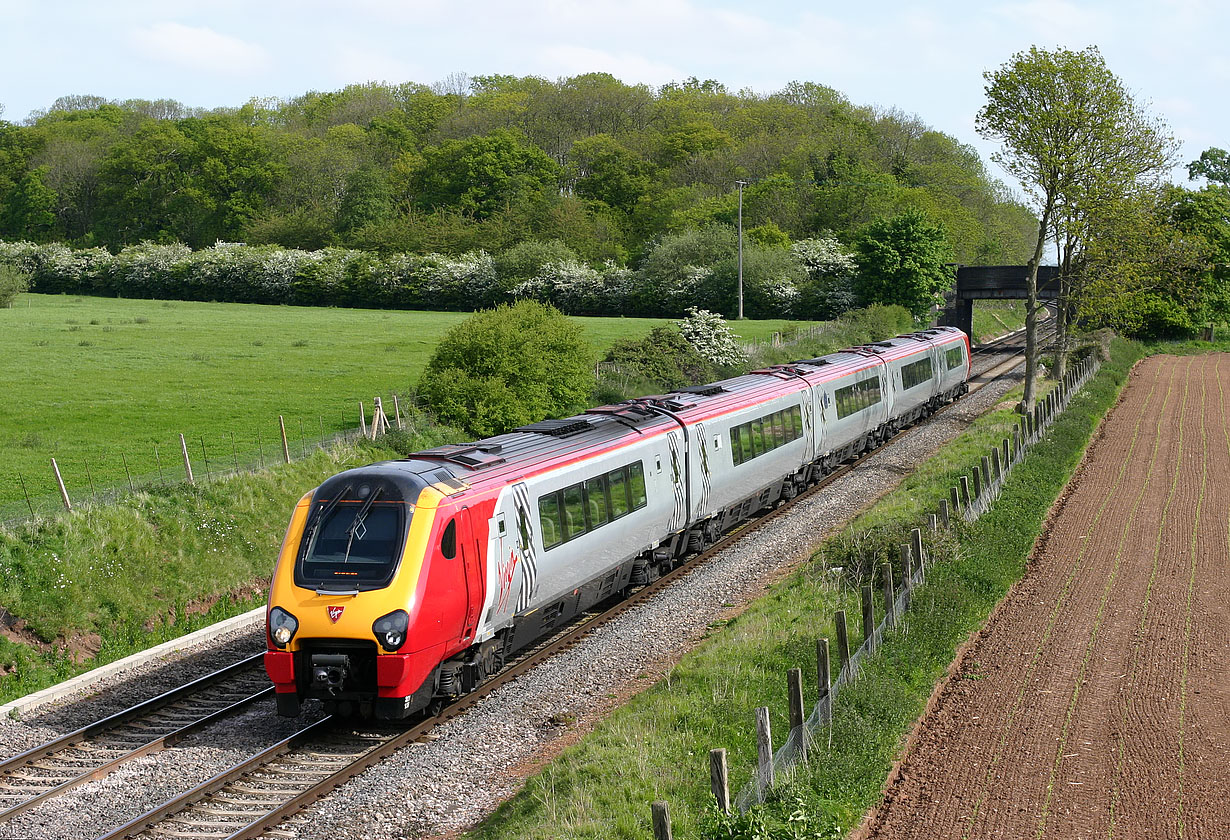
x=353, y=544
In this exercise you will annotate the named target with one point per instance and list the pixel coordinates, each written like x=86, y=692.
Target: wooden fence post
x=869, y=620
x=285, y=446
x=794, y=694
x=719, y=779
x=907, y=573
x=965, y=492
x=933, y=522
x=183, y=446
x=661, y=821
x=764, y=751
x=397, y=412
x=843, y=643
x=824, y=678
x=1006, y=458
x=890, y=597
x=917, y=546
x=976, y=490
x=362, y=419
x=943, y=508
x=997, y=466
x=986, y=472
x=954, y=494
x=60, y=482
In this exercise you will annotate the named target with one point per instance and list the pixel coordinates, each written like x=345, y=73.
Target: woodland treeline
x=605, y=168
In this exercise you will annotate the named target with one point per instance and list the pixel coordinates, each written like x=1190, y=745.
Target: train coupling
x=329, y=672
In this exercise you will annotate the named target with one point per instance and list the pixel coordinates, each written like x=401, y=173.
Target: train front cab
x=369, y=596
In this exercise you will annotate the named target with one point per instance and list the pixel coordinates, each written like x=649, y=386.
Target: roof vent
x=558, y=428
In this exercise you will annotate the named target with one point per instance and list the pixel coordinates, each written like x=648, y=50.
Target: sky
x=925, y=59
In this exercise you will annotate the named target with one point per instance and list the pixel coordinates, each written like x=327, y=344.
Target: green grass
x=656, y=747
x=95, y=381
x=993, y=318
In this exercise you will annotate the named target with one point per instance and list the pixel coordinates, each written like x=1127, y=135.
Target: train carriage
x=404, y=583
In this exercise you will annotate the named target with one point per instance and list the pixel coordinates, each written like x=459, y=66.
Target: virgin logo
x=335, y=613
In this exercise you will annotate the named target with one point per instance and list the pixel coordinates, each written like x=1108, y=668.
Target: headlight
x=282, y=626
x=390, y=630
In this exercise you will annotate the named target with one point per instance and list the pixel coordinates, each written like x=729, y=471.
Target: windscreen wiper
x=320, y=517
x=359, y=516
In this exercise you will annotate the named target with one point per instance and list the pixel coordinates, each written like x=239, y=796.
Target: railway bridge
x=993, y=282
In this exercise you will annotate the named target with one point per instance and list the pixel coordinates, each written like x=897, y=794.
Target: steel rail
x=565, y=640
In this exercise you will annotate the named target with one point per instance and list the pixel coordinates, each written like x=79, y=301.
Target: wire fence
x=106, y=476
x=811, y=732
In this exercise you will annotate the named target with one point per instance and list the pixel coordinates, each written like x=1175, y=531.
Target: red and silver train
x=405, y=583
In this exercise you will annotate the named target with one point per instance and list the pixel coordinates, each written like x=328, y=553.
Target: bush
x=509, y=366
x=663, y=359
x=12, y=283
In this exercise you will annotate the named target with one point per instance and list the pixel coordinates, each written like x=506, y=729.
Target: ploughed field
x=1096, y=701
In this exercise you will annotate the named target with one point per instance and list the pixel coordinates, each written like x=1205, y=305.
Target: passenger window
x=618, y=484
x=448, y=541
x=779, y=429
x=595, y=498
x=758, y=447
x=574, y=513
x=736, y=445
x=636, y=485
x=797, y=417
x=549, y=519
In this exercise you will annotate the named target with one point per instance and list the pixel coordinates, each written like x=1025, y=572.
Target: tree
x=1214, y=165
x=485, y=173
x=903, y=260
x=1075, y=139
x=828, y=290
x=506, y=367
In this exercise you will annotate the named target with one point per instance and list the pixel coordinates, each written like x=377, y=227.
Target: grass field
x=95, y=382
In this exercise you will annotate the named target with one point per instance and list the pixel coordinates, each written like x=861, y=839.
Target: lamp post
x=741, y=185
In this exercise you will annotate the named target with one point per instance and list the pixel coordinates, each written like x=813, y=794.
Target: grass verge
x=657, y=745
x=97, y=383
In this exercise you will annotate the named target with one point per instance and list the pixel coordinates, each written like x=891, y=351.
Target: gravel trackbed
x=1096, y=701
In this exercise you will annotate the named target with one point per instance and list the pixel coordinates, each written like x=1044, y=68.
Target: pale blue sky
x=923, y=58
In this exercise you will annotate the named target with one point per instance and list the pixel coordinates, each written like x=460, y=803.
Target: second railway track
x=256, y=795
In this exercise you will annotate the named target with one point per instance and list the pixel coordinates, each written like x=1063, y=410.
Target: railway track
x=96, y=750
x=256, y=796
x=252, y=798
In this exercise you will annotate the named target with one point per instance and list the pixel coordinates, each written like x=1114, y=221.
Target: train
x=405, y=583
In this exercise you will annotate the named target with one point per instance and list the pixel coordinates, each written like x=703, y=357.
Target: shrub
x=707, y=332
x=12, y=283
x=663, y=359
x=509, y=366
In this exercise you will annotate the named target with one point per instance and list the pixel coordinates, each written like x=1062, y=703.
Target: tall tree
x=1075, y=139
x=903, y=260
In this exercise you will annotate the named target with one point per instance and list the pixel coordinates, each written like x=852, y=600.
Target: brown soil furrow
x=1146, y=566
x=1095, y=702
x=989, y=717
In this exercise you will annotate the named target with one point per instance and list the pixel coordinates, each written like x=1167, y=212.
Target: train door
x=471, y=559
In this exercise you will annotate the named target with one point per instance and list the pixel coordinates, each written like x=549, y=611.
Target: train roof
x=549, y=444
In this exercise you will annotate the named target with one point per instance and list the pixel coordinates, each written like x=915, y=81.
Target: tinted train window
x=854, y=398
x=956, y=358
x=636, y=485
x=354, y=543
x=617, y=483
x=574, y=513
x=548, y=516
x=915, y=373
x=567, y=514
x=765, y=434
x=595, y=500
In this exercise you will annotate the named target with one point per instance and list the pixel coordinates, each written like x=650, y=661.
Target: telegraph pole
x=741, y=184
